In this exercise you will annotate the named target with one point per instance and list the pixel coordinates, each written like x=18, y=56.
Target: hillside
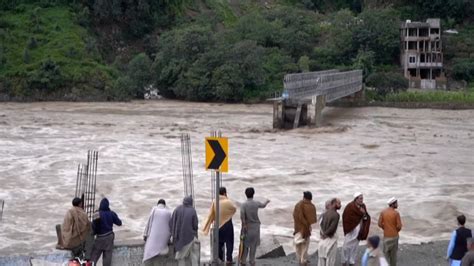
x=207, y=50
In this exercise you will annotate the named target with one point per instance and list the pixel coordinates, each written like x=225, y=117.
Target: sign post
x=217, y=149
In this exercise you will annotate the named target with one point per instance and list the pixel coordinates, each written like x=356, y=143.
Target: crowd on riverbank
x=181, y=228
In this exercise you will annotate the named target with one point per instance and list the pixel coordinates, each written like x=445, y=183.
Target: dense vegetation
x=455, y=97
x=209, y=50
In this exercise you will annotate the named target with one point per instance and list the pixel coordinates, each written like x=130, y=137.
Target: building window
x=423, y=32
x=434, y=31
x=422, y=58
x=412, y=59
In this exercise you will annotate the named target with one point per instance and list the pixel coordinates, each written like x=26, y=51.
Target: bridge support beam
x=278, y=114
x=320, y=103
x=290, y=114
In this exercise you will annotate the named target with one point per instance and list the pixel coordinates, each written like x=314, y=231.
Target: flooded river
x=423, y=157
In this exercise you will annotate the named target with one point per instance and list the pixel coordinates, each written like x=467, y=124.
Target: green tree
x=454, y=9
x=178, y=50
x=47, y=78
x=136, y=17
x=26, y=56
x=377, y=30
x=336, y=46
x=464, y=70
x=139, y=73
x=387, y=82
x=365, y=61
x=303, y=64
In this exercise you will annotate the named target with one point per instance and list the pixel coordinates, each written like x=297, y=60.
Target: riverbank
x=405, y=105
x=131, y=253
x=425, y=254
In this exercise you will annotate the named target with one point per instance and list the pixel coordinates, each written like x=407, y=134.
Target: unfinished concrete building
x=421, y=54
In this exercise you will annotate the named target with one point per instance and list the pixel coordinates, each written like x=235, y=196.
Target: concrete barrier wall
x=130, y=254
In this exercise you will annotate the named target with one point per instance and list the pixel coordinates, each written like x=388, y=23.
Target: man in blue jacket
x=102, y=227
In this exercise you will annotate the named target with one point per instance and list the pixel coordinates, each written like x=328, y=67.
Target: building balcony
x=424, y=64
x=416, y=38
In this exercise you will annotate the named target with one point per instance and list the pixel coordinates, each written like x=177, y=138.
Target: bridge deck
x=331, y=83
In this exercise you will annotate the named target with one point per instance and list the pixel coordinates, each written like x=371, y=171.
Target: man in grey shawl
x=250, y=226
x=184, y=228
x=327, y=247
x=157, y=234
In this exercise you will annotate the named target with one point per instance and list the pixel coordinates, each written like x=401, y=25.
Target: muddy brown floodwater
x=423, y=157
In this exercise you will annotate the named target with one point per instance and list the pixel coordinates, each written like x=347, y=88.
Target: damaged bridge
x=306, y=94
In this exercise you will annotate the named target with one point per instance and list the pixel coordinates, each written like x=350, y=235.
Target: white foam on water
x=423, y=157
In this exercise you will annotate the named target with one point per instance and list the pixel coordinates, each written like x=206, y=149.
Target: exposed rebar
x=187, y=165
x=86, y=182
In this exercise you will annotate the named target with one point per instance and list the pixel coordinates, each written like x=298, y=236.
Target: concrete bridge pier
x=289, y=114
x=319, y=102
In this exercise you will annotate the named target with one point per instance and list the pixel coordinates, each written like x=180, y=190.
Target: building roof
x=430, y=23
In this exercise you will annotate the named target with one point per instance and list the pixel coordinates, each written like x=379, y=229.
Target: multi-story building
x=421, y=54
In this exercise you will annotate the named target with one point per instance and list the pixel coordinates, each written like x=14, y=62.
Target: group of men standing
x=356, y=224
x=181, y=228
x=77, y=233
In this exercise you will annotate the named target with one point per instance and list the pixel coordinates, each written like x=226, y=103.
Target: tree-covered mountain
x=208, y=50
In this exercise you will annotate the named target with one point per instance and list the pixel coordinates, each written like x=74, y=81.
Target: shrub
x=139, y=73
x=32, y=43
x=47, y=77
x=120, y=90
x=26, y=56
x=385, y=83
x=364, y=61
x=464, y=70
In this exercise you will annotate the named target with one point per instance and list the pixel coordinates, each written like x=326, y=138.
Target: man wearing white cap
x=391, y=224
x=355, y=223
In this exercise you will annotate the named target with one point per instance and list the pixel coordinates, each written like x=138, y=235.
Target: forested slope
x=208, y=50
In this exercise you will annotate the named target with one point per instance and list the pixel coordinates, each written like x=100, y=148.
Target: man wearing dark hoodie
x=102, y=225
x=184, y=228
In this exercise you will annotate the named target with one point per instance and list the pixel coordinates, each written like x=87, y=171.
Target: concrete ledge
x=270, y=248
x=128, y=253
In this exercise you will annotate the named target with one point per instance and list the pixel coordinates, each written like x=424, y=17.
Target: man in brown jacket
x=304, y=216
x=391, y=224
x=76, y=229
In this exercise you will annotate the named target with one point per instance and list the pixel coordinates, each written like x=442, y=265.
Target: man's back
x=75, y=227
x=106, y=219
x=304, y=214
x=249, y=211
x=329, y=222
x=390, y=222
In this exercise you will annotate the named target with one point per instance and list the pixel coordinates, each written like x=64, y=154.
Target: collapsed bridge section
x=305, y=95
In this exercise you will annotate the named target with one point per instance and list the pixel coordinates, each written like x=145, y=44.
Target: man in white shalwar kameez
x=157, y=233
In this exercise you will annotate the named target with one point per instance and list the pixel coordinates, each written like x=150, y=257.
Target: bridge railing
x=331, y=83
